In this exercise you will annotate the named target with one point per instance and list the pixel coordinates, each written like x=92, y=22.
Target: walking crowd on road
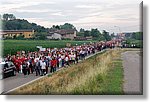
x=51, y=60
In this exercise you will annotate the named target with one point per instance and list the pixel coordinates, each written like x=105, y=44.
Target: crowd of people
x=50, y=60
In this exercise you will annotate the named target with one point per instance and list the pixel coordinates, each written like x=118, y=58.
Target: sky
x=111, y=15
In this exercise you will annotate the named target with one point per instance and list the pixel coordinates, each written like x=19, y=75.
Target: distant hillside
x=21, y=24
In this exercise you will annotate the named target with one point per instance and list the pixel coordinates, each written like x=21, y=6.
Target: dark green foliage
x=39, y=36
x=7, y=17
x=87, y=33
x=21, y=24
x=106, y=35
x=137, y=36
x=67, y=26
x=95, y=33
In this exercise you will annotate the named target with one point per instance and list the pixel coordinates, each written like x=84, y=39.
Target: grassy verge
x=100, y=74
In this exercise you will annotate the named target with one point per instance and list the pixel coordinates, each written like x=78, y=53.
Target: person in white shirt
x=43, y=67
x=60, y=62
x=67, y=60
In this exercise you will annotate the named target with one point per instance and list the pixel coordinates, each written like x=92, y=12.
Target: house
x=15, y=33
x=53, y=35
x=62, y=34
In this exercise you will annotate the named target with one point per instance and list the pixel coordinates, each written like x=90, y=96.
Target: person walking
x=67, y=60
x=37, y=67
x=53, y=65
x=43, y=68
x=24, y=68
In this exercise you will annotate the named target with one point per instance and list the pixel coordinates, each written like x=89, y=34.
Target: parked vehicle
x=7, y=69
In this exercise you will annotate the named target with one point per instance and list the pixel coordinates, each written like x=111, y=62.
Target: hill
x=21, y=24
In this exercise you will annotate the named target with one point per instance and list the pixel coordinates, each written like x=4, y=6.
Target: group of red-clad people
x=50, y=60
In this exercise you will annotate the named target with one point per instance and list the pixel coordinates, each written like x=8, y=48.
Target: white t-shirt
x=43, y=64
x=66, y=59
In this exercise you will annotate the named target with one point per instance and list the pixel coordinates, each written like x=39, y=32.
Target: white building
x=62, y=34
x=54, y=36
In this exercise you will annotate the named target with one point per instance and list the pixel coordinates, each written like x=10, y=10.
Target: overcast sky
x=110, y=15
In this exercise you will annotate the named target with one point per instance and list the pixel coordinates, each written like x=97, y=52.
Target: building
x=15, y=33
x=120, y=35
x=62, y=34
x=54, y=36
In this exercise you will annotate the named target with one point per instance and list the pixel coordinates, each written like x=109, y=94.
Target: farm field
x=100, y=74
x=12, y=46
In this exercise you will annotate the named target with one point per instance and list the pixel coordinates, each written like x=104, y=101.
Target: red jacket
x=54, y=63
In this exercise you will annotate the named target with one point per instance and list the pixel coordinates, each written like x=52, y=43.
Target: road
x=11, y=83
x=132, y=64
x=15, y=81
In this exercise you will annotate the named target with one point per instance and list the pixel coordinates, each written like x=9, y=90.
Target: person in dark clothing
x=32, y=65
x=37, y=68
x=77, y=55
x=24, y=68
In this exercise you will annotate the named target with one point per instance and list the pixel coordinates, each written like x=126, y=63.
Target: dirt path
x=132, y=64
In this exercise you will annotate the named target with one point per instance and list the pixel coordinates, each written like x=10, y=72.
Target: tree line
x=95, y=33
x=10, y=22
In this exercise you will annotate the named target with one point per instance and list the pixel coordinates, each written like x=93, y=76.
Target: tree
x=67, y=26
x=137, y=36
x=81, y=30
x=81, y=34
x=133, y=36
x=95, y=33
x=21, y=24
x=5, y=17
x=11, y=17
x=106, y=35
x=8, y=17
x=40, y=36
x=87, y=33
x=55, y=27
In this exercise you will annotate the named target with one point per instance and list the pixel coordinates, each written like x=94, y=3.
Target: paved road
x=15, y=81
x=19, y=80
x=132, y=64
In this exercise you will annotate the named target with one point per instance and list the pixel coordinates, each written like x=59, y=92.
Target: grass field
x=12, y=46
x=100, y=74
x=138, y=43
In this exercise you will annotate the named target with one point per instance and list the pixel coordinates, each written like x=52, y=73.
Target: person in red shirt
x=53, y=64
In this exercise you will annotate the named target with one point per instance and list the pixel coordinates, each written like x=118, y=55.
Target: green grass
x=138, y=43
x=104, y=84
x=114, y=78
x=12, y=46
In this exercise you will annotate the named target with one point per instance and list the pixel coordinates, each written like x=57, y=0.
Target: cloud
x=57, y=14
x=15, y=5
x=86, y=6
x=39, y=21
x=32, y=11
x=81, y=13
